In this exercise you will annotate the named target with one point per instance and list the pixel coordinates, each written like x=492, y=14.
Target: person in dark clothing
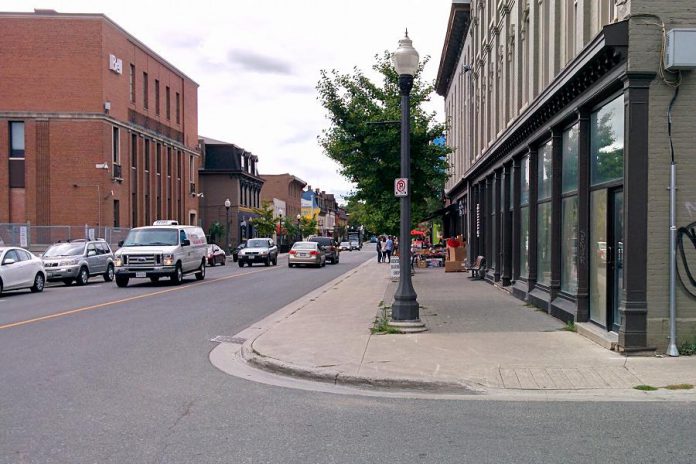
x=379, y=250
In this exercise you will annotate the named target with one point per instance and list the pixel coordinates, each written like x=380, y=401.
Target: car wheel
x=275, y=261
x=109, y=275
x=267, y=262
x=39, y=282
x=0, y=287
x=122, y=281
x=224, y=261
x=241, y=263
x=82, y=276
x=200, y=275
x=178, y=275
x=68, y=282
x=290, y=265
x=323, y=263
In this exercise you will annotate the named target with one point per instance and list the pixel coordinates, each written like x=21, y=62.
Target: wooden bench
x=478, y=269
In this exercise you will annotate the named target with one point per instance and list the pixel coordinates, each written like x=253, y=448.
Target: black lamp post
x=405, y=310
x=227, y=225
x=280, y=229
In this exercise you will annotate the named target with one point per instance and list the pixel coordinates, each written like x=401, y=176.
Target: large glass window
x=569, y=211
x=544, y=175
x=569, y=245
x=16, y=139
x=494, y=248
x=607, y=142
x=524, y=174
x=524, y=217
x=544, y=171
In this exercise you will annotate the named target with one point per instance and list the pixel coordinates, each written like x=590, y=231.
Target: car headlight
x=168, y=259
x=118, y=261
x=69, y=262
x=264, y=253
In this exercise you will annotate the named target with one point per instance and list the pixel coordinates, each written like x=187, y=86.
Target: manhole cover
x=228, y=339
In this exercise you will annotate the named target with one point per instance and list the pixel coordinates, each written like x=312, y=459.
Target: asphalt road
x=99, y=374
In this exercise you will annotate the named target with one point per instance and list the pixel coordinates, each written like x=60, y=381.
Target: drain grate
x=228, y=339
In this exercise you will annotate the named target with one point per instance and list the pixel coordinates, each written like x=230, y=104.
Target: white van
x=161, y=251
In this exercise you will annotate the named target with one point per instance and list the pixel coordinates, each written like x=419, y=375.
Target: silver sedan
x=309, y=253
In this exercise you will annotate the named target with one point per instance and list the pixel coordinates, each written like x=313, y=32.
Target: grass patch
x=381, y=322
x=680, y=386
x=645, y=388
x=687, y=349
x=570, y=327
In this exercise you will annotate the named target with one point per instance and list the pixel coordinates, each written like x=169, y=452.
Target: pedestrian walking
x=379, y=250
x=389, y=245
x=383, y=247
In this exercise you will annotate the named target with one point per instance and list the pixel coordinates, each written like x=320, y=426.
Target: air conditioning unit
x=680, y=53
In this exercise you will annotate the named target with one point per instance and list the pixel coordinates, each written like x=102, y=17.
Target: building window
x=146, y=101
x=178, y=109
x=147, y=155
x=524, y=217
x=157, y=97
x=158, y=159
x=494, y=223
x=544, y=174
x=134, y=151
x=169, y=161
x=569, y=211
x=178, y=164
x=607, y=142
x=117, y=213
x=16, y=139
x=167, y=103
x=115, y=146
x=131, y=84
x=134, y=209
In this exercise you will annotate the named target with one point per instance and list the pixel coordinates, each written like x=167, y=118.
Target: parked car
x=19, y=269
x=161, y=251
x=236, y=250
x=216, y=255
x=258, y=250
x=332, y=251
x=308, y=253
x=354, y=245
x=78, y=260
x=344, y=246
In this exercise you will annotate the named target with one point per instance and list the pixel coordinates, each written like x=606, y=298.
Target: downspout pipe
x=672, y=347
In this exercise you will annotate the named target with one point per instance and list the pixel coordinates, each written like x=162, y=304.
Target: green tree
x=308, y=226
x=216, y=232
x=364, y=138
x=264, y=222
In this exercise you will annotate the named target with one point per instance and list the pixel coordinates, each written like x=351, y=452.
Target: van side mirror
x=120, y=243
x=8, y=261
x=185, y=242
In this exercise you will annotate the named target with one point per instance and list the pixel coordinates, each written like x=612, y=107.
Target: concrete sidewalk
x=479, y=339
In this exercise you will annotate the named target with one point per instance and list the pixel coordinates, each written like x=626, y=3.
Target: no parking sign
x=401, y=187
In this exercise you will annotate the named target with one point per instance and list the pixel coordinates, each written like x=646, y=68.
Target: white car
x=19, y=268
x=345, y=246
x=354, y=245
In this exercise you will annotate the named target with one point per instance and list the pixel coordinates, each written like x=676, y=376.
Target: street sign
x=394, y=269
x=401, y=187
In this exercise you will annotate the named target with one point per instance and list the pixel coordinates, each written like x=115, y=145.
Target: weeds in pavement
x=680, y=386
x=570, y=327
x=645, y=388
x=381, y=323
x=687, y=348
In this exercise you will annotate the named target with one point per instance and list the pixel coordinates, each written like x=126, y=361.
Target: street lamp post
x=405, y=310
x=299, y=231
x=227, y=226
x=280, y=228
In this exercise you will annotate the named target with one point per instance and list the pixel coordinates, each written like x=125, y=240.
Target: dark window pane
x=544, y=243
x=524, y=242
x=569, y=245
x=570, y=159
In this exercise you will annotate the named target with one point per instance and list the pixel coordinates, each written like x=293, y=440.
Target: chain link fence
x=38, y=238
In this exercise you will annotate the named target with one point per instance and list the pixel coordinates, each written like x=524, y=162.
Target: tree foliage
x=364, y=138
x=265, y=223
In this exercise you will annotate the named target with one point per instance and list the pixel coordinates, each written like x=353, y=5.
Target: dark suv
x=77, y=260
x=332, y=253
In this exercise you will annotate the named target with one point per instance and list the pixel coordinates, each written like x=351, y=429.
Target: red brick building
x=95, y=127
x=285, y=187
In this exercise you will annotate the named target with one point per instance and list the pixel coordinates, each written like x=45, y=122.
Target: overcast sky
x=258, y=62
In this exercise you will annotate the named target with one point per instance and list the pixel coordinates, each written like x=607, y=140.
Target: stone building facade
x=95, y=127
x=557, y=114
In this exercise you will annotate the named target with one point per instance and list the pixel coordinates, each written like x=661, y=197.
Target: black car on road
x=330, y=246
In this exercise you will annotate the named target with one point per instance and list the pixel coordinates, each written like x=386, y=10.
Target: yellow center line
x=125, y=300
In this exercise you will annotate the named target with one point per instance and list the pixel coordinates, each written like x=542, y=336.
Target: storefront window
x=544, y=244
x=570, y=159
x=544, y=171
x=569, y=245
x=524, y=242
x=524, y=178
x=494, y=224
x=607, y=142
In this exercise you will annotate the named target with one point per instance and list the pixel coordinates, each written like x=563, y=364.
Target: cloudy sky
x=258, y=62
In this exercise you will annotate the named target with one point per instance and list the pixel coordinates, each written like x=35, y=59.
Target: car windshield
x=257, y=243
x=65, y=249
x=304, y=246
x=152, y=237
x=344, y=243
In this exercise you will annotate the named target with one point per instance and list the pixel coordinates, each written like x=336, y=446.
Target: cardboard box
x=455, y=266
x=456, y=254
